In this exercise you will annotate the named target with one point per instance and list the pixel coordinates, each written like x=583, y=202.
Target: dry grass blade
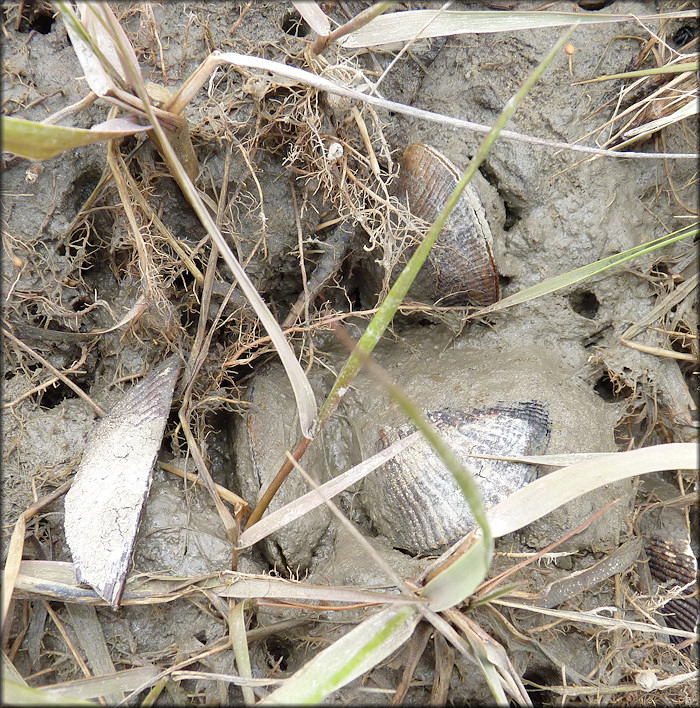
x=688, y=109
x=96, y=686
x=242, y=681
x=351, y=25
x=306, y=401
x=281, y=517
x=405, y=26
x=55, y=580
x=315, y=17
x=236, y=623
x=594, y=617
x=357, y=535
x=547, y=493
x=97, y=58
x=92, y=642
x=128, y=63
x=201, y=76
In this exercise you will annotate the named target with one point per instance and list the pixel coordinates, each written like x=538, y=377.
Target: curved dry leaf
x=547, y=493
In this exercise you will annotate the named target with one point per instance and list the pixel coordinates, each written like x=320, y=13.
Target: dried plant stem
x=201, y=76
x=54, y=379
x=229, y=522
x=15, y=548
x=276, y=483
x=188, y=476
x=98, y=409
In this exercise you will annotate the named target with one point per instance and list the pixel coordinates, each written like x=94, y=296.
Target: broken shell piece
x=103, y=506
x=334, y=152
x=674, y=565
x=461, y=259
x=416, y=502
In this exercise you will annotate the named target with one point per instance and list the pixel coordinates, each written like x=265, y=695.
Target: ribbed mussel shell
x=673, y=565
x=415, y=501
x=461, y=258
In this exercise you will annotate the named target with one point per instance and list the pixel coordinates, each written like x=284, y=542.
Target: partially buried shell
x=674, y=565
x=461, y=258
x=415, y=501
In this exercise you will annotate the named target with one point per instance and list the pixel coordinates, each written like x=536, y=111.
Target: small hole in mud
x=584, y=303
x=82, y=187
x=537, y=681
x=405, y=552
x=504, y=281
x=82, y=302
x=512, y=215
x=660, y=269
x=201, y=636
x=43, y=21
x=54, y=395
x=608, y=391
x=683, y=35
x=186, y=319
x=277, y=652
x=293, y=24
x=37, y=16
x=594, y=4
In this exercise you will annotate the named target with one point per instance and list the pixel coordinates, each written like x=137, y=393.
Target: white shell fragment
x=335, y=152
x=103, y=506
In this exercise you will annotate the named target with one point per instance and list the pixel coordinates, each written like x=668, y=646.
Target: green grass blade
x=387, y=310
x=239, y=642
x=471, y=568
x=15, y=694
x=459, y=580
x=667, y=69
x=578, y=274
x=41, y=141
x=348, y=658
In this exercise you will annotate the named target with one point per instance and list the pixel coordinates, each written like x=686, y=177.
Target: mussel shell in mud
x=674, y=565
x=415, y=501
x=461, y=258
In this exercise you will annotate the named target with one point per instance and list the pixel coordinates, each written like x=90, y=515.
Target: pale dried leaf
x=315, y=17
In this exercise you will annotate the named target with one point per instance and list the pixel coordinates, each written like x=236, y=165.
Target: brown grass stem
x=276, y=483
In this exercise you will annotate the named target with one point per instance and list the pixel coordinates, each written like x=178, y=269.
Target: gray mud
x=66, y=274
